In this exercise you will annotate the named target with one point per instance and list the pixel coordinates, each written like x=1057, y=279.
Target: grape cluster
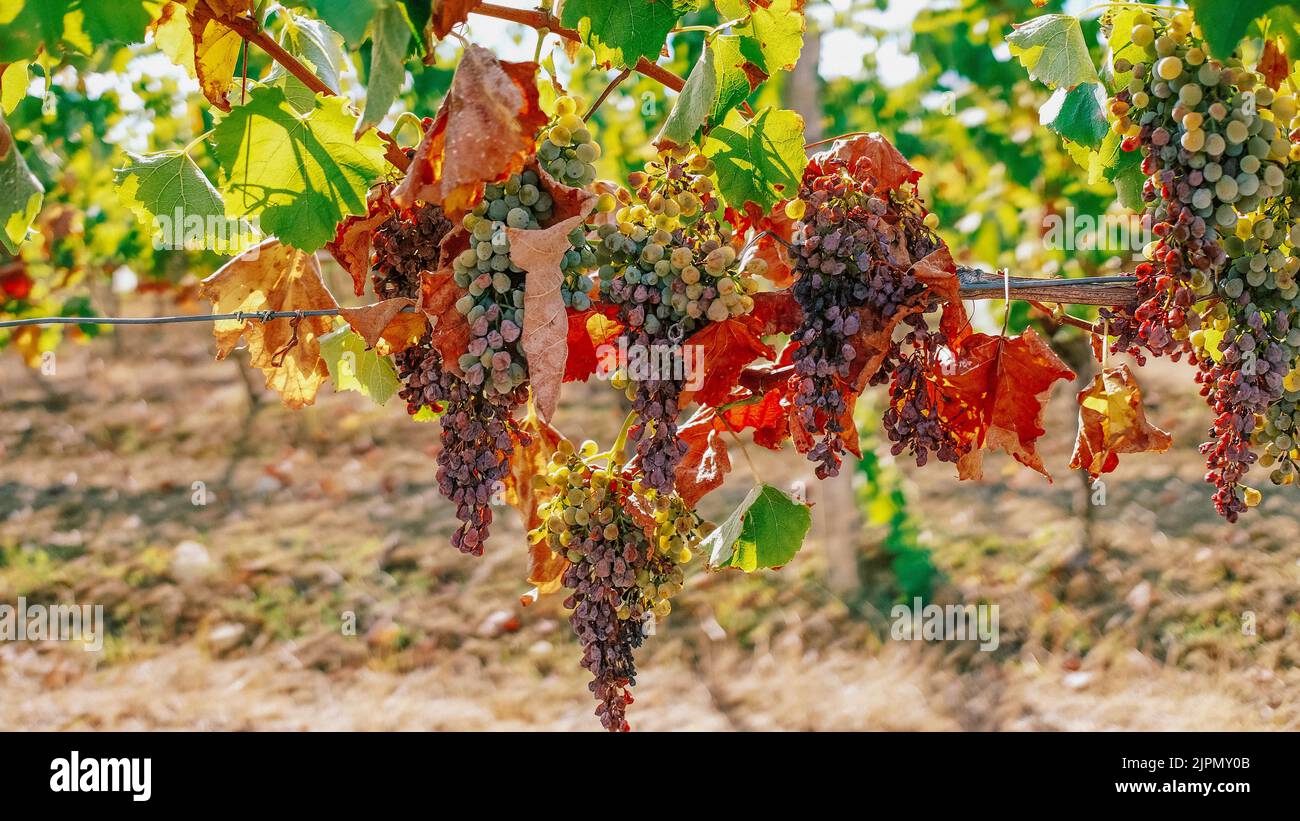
x=669, y=265
x=566, y=149
x=1219, y=281
x=913, y=419
x=618, y=576
x=405, y=246
x=854, y=247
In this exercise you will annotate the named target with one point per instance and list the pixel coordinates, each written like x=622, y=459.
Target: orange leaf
x=872, y=343
x=483, y=132
x=352, y=239
x=545, y=567
x=387, y=326
x=995, y=397
x=938, y=272
x=777, y=232
x=1112, y=421
x=768, y=417
x=449, y=330
x=778, y=311
x=588, y=331
x=880, y=160
x=274, y=277
x=1273, y=63
x=546, y=325
x=728, y=346
x=447, y=14
x=706, y=463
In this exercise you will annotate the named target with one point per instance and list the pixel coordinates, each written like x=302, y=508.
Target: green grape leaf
x=354, y=367
x=728, y=70
x=28, y=25
x=13, y=85
x=348, y=17
x=1053, y=51
x=166, y=183
x=1110, y=160
x=1128, y=187
x=1077, y=114
x=778, y=26
x=302, y=174
x=623, y=32
x=121, y=21
x=760, y=160
x=1225, y=22
x=318, y=44
x=21, y=194
x=387, y=63
x=766, y=531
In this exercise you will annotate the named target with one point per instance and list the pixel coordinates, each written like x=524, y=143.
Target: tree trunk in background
x=803, y=88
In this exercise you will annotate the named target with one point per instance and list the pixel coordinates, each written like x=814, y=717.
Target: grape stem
x=1061, y=318
x=620, y=444
x=604, y=95
x=744, y=451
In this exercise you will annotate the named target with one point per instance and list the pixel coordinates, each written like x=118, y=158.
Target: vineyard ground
x=336, y=509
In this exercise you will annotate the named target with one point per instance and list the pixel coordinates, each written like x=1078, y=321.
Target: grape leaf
x=995, y=396
x=21, y=194
x=623, y=32
x=169, y=185
x=760, y=161
x=766, y=531
x=318, y=44
x=1122, y=46
x=348, y=17
x=387, y=63
x=1225, y=22
x=1273, y=63
x=545, y=567
x=122, y=21
x=773, y=233
x=302, y=174
x=484, y=131
x=355, y=367
x=588, y=331
x=274, y=277
x=727, y=347
x=448, y=328
x=1112, y=421
x=27, y=26
x=545, y=339
x=447, y=14
x=387, y=326
x=1053, y=51
x=721, y=79
x=13, y=85
x=706, y=463
x=215, y=49
x=777, y=25
x=884, y=162
x=1077, y=114
x=352, y=238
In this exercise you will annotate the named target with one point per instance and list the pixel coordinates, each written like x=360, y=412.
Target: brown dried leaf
x=483, y=132
x=707, y=463
x=449, y=332
x=352, y=240
x=387, y=326
x=1273, y=63
x=546, y=324
x=1112, y=421
x=447, y=14
x=274, y=277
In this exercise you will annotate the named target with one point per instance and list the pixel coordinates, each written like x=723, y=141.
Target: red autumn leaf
x=879, y=159
x=706, y=463
x=777, y=311
x=996, y=395
x=484, y=131
x=1273, y=63
x=871, y=344
x=387, y=326
x=1112, y=421
x=768, y=417
x=447, y=14
x=588, y=331
x=449, y=331
x=728, y=346
x=774, y=232
x=352, y=239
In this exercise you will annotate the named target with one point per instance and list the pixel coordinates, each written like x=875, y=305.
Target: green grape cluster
x=577, y=265
x=567, y=150
x=494, y=300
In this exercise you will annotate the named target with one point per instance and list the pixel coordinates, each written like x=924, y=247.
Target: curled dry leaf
x=727, y=347
x=1273, y=63
x=388, y=326
x=938, y=272
x=883, y=162
x=996, y=395
x=274, y=277
x=483, y=132
x=546, y=323
x=352, y=242
x=216, y=46
x=706, y=463
x=449, y=330
x=1112, y=421
x=773, y=233
x=545, y=567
